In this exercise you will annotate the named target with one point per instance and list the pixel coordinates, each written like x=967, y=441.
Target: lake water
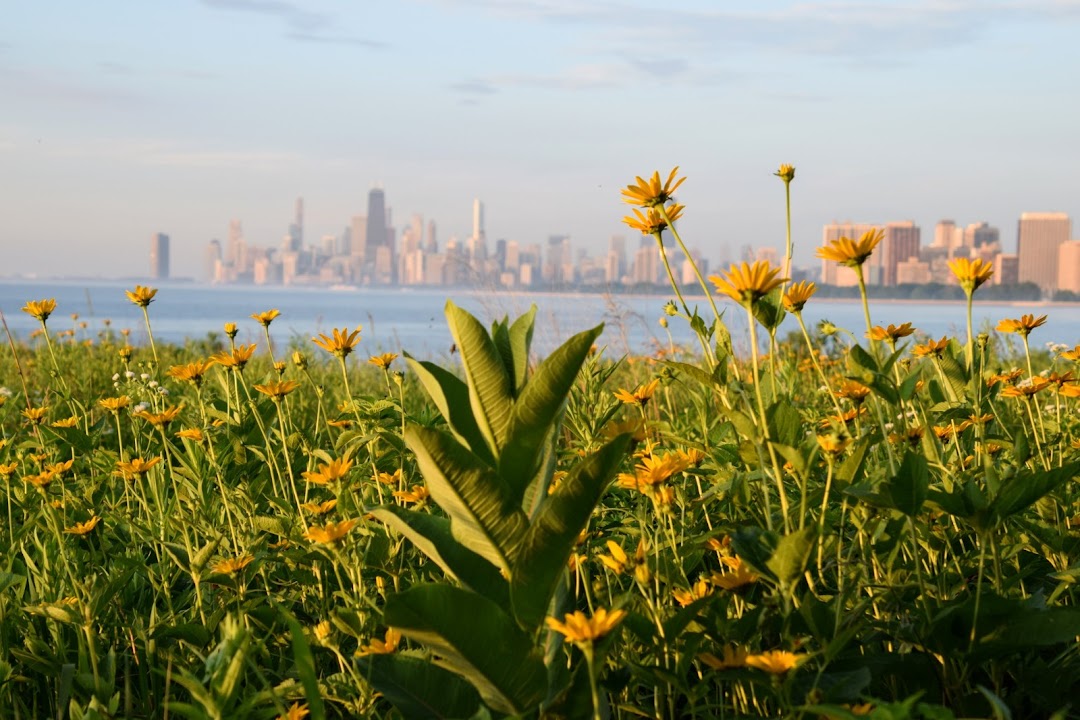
x=413, y=319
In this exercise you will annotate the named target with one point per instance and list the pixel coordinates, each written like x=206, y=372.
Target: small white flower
x=153, y=383
x=116, y=376
x=140, y=407
x=5, y=392
x=164, y=391
x=129, y=374
x=144, y=377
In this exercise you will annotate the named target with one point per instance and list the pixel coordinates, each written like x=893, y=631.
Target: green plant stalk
x=269, y=344
x=288, y=463
x=784, y=508
x=150, y=335
x=817, y=365
x=690, y=258
x=675, y=286
x=969, y=349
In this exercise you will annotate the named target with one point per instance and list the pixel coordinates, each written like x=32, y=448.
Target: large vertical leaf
x=432, y=536
x=521, y=334
x=908, y=489
x=419, y=689
x=551, y=536
x=305, y=667
x=1025, y=488
x=489, y=384
x=538, y=406
x=485, y=517
x=451, y=396
x=476, y=639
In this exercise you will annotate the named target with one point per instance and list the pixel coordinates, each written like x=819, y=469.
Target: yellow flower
x=322, y=630
x=890, y=334
x=115, y=404
x=42, y=479
x=265, y=318
x=833, y=444
x=296, y=711
x=640, y=396
x=971, y=273
x=238, y=358
x=230, y=330
x=776, y=662
x=738, y=574
x=141, y=296
x=850, y=252
x=1072, y=355
x=617, y=561
x=383, y=360
x=419, y=494
x=190, y=434
x=231, y=566
x=136, y=467
x=387, y=645
x=853, y=390
x=797, y=294
x=61, y=467
x=83, y=528
x=36, y=416
x=66, y=422
x=746, y=284
x=931, y=348
x=192, y=372
x=734, y=657
x=786, y=173
x=1023, y=326
x=40, y=309
x=577, y=628
x=1027, y=388
x=699, y=590
x=329, y=472
x=8, y=470
x=161, y=419
x=342, y=342
x=391, y=479
x=319, y=508
x=1007, y=378
x=330, y=533
x=278, y=389
x=650, y=193
x=652, y=222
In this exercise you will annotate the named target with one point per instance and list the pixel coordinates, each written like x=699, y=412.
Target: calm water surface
x=395, y=319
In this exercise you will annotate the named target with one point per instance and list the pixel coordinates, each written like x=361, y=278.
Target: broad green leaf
x=489, y=385
x=485, y=517
x=1025, y=488
x=692, y=371
x=908, y=488
x=305, y=667
x=755, y=546
x=1035, y=628
x=418, y=688
x=475, y=639
x=861, y=362
x=451, y=396
x=432, y=536
x=550, y=538
x=785, y=425
x=850, y=470
x=955, y=374
x=521, y=334
x=768, y=311
x=537, y=408
x=788, y=559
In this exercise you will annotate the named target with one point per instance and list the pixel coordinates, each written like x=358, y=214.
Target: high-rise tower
x=1039, y=238
x=159, y=256
x=376, y=222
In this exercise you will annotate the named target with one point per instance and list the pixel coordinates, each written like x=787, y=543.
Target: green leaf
x=767, y=310
x=521, y=334
x=755, y=546
x=432, y=536
x=419, y=689
x=788, y=559
x=908, y=488
x=537, y=408
x=550, y=538
x=955, y=374
x=692, y=371
x=784, y=423
x=305, y=667
x=490, y=392
x=475, y=639
x=485, y=517
x=1037, y=628
x=852, y=467
x=1025, y=488
x=861, y=362
x=451, y=396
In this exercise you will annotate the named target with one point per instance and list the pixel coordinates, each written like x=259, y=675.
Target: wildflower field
x=847, y=522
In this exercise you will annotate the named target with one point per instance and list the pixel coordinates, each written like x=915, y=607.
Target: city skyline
x=916, y=110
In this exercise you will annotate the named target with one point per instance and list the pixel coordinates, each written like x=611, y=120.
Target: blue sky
x=121, y=119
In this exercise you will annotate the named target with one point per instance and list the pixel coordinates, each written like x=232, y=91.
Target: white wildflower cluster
x=1057, y=348
x=5, y=392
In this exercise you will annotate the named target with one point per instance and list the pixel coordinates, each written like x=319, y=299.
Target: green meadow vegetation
x=847, y=522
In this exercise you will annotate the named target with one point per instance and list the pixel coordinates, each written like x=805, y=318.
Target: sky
x=123, y=118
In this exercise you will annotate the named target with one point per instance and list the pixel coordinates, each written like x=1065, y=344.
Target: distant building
x=1069, y=266
x=212, y=264
x=159, y=256
x=1006, y=270
x=900, y=244
x=979, y=235
x=1039, y=237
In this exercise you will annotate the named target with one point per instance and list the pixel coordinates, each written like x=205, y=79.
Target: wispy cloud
x=52, y=86
x=303, y=25
x=474, y=87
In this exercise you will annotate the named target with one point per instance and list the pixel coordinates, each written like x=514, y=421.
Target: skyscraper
x=980, y=235
x=376, y=222
x=833, y=273
x=1039, y=237
x=901, y=243
x=159, y=256
x=212, y=262
x=296, y=229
